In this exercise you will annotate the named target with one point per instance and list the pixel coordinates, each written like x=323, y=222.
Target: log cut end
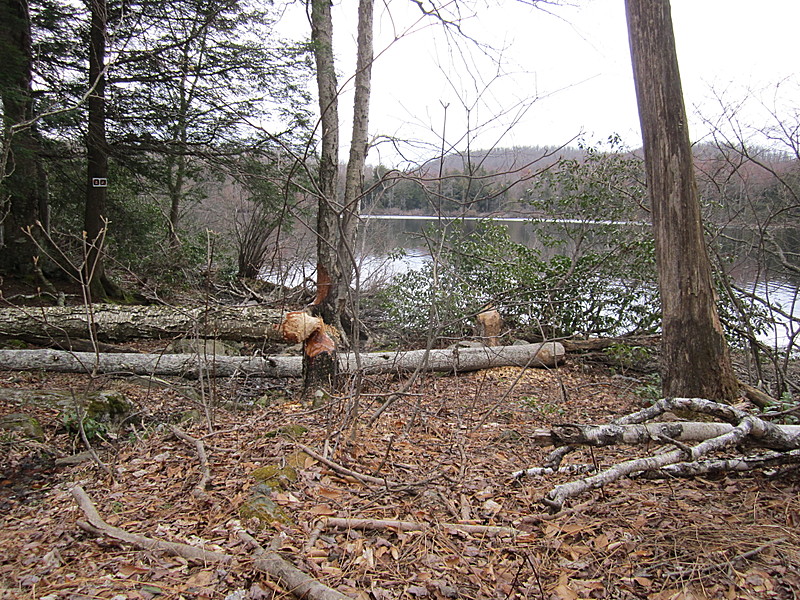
x=298, y=326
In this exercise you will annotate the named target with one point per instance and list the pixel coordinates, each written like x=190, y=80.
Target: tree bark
x=548, y=354
x=695, y=354
x=327, y=206
x=359, y=145
x=112, y=323
x=23, y=195
x=95, y=220
x=644, y=433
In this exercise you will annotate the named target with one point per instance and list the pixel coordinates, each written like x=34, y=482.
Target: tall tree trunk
x=696, y=362
x=337, y=221
x=176, y=165
x=328, y=207
x=95, y=215
x=359, y=145
x=23, y=195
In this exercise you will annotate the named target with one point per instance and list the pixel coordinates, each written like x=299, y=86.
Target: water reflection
x=393, y=244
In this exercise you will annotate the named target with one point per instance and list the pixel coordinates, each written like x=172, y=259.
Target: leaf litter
x=440, y=458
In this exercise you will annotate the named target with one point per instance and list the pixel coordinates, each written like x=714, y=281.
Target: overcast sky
x=565, y=71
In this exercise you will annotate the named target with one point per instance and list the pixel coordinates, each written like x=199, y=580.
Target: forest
x=224, y=375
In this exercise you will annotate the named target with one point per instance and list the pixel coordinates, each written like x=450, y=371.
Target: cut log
x=548, y=354
x=490, y=326
x=112, y=323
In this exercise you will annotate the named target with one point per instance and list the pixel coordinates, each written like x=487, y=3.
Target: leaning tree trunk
x=354, y=176
x=695, y=354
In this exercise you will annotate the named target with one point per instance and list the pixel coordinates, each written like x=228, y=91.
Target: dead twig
x=199, y=490
x=349, y=472
x=97, y=526
x=727, y=564
x=290, y=578
x=377, y=524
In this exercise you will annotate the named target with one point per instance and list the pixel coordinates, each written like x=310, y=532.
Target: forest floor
x=445, y=452
x=452, y=443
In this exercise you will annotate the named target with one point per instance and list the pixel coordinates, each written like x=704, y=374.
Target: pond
x=394, y=244
x=388, y=233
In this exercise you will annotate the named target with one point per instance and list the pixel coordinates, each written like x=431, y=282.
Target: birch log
x=644, y=433
x=548, y=354
x=113, y=323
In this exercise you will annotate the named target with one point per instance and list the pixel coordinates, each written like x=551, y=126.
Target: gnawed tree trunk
x=109, y=322
x=548, y=354
x=337, y=220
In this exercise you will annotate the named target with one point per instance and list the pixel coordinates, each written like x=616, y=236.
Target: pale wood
x=548, y=354
x=738, y=429
x=606, y=435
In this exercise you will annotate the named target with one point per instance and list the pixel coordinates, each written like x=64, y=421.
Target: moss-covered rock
x=107, y=405
x=290, y=431
x=261, y=508
x=26, y=424
x=274, y=477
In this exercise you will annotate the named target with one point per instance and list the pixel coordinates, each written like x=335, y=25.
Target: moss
x=107, y=405
x=263, y=509
x=290, y=431
x=24, y=423
x=274, y=477
x=13, y=344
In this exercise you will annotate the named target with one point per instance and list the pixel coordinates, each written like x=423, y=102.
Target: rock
x=275, y=478
x=26, y=424
x=262, y=509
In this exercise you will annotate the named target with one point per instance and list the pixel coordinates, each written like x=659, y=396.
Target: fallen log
x=644, y=433
x=577, y=345
x=737, y=429
x=548, y=354
x=114, y=323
